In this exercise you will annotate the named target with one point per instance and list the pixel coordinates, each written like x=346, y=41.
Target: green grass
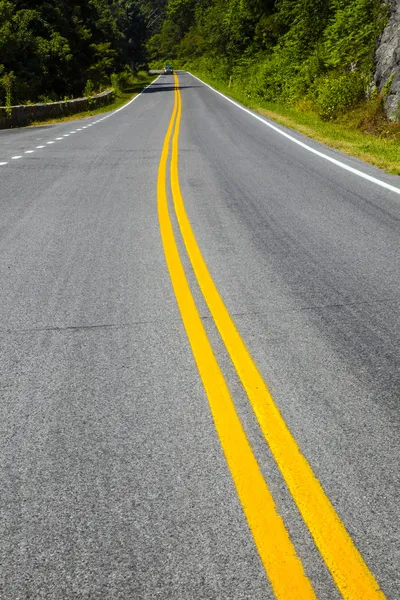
x=364, y=132
x=129, y=92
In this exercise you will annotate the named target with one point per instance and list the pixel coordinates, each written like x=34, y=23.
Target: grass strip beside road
x=342, y=134
x=123, y=98
x=348, y=569
x=276, y=550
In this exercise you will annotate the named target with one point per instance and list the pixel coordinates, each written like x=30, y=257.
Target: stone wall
x=19, y=116
x=388, y=60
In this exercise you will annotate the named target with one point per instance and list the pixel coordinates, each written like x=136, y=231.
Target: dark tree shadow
x=134, y=88
x=168, y=88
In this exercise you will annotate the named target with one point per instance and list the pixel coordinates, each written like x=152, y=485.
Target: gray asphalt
x=113, y=482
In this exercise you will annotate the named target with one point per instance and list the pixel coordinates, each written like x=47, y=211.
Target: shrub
x=116, y=83
x=141, y=75
x=89, y=89
x=125, y=78
x=7, y=82
x=335, y=93
x=304, y=105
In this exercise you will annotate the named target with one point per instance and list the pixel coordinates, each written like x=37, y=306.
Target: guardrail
x=18, y=116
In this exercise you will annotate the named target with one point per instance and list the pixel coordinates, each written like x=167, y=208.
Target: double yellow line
x=283, y=567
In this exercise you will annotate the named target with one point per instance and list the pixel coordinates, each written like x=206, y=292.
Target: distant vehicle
x=168, y=70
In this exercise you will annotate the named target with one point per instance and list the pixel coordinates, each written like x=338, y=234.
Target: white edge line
x=338, y=163
x=133, y=99
x=113, y=113
x=125, y=105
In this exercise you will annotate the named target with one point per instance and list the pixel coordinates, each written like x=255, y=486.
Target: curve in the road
x=349, y=571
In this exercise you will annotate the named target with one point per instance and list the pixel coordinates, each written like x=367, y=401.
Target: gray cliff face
x=388, y=60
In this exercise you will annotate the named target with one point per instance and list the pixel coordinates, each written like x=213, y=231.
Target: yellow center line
x=348, y=569
x=275, y=548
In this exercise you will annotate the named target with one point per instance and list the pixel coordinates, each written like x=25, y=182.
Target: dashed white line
x=80, y=129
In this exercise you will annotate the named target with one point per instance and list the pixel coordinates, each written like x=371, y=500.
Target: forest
x=319, y=52
x=60, y=49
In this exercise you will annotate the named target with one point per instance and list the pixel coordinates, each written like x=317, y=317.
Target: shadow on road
x=134, y=88
x=167, y=88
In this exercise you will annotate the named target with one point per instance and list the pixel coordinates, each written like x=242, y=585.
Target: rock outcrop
x=387, y=57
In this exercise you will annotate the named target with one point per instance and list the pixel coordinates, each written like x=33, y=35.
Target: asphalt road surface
x=141, y=455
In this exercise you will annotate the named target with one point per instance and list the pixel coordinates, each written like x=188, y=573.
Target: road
x=154, y=281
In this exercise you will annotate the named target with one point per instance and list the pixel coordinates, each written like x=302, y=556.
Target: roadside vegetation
x=363, y=132
x=307, y=64
x=54, y=50
x=123, y=94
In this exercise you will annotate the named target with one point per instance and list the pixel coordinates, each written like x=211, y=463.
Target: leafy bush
x=125, y=77
x=116, y=84
x=120, y=81
x=7, y=82
x=217, y=68
x=141, y=76
x=89, y=89
x=335, y=93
